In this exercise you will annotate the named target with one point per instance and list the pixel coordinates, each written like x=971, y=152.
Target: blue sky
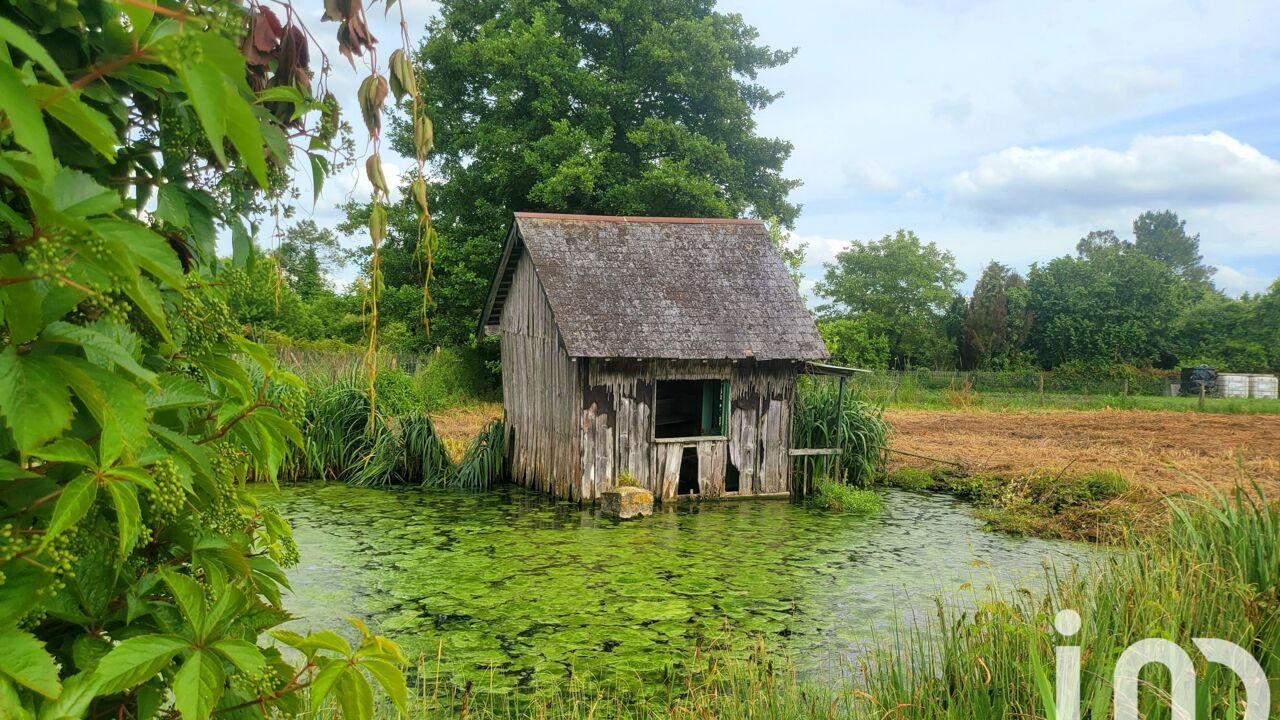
x=1009, y=129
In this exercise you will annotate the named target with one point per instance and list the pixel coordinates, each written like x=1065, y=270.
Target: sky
x=1008, y=129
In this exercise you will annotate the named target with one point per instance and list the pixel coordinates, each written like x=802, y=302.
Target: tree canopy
x=631, y=108
x=902, y=289
x=1163, y=235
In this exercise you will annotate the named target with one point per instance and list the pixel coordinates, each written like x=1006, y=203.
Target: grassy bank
x=1099, y=506
x=1213, y=572
x=956, y=400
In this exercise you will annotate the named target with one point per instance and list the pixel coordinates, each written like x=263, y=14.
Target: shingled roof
x=678, y=288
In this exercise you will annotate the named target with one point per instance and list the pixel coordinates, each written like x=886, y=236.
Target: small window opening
x=688, y=472
x=690, y=408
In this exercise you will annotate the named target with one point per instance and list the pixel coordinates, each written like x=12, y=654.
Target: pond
x=513, y=587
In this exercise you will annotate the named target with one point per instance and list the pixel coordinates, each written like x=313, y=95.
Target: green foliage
x=1113, y=305
x=996, y=321
x=454, y=377
x=1163, y=236
x=851, y=343
x=860, y=428
x=136, y=572
x=396, y=393
x=902, y=289
x=481, y=465
x=342, y=444
x=1105, y=484
x=632, y=109
x=910, y=478
x=831, y=495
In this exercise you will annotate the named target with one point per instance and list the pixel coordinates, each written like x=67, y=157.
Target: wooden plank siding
x=617, y=420
x=540, y=391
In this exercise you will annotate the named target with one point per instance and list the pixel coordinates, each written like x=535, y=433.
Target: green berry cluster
x=44, y=258
x=169, y=496
x=292, y=402
x=56, y=556
x=207, y=320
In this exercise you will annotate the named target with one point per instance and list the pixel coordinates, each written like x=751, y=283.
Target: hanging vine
x=355, y=40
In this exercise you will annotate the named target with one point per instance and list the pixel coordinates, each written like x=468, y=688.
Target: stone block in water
x=626, y=502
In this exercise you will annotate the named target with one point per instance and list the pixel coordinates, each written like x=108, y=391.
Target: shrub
x=860, y=427
x=909, y=478
x=138, y=575
x=396, y=393
x=831, y=495
x=453, y=377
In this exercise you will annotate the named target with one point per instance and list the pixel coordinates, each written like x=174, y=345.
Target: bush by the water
x=454, y=377
x=831, y=495
x=859, y=427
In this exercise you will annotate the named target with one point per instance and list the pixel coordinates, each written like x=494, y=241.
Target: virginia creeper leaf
x=74, y=502
x=23, y=658
x=33, y=397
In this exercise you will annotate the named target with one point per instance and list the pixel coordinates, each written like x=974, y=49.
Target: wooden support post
x=1042, y=387
x=1125, y=391
x=839, y=469
x=1201, y=382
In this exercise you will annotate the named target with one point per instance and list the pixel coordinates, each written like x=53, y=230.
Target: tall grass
x=859, y=427
x=395, y=449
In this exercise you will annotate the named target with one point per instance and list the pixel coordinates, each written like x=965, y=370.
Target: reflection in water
x=515, y=586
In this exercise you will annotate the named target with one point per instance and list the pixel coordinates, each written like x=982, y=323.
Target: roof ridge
x=639, y=219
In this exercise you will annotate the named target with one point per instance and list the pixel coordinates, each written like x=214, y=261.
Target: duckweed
x=512, y=588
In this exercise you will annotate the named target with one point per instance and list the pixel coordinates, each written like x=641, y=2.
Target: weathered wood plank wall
x=541, y=391
x=617, y=422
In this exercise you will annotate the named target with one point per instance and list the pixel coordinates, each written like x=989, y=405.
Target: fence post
x=1125, y=391
x=1201, y=382
x=1042, y=387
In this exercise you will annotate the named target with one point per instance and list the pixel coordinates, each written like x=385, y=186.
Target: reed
x=859, y=427
x=342, y=445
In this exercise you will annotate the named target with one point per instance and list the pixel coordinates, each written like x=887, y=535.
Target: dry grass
x=456, y=426
x=1168, y=452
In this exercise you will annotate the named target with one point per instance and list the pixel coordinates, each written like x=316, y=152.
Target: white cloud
x=1184, y=171
x=1235, y=281
x=870, y=175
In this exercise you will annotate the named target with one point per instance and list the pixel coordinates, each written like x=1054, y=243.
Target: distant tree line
x=1148, y=301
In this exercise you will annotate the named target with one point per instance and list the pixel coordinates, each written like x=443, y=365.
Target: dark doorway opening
x=688, y=472
x=690, y=408
x=730, y=477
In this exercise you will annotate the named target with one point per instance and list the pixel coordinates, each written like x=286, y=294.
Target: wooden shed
x=665, y=349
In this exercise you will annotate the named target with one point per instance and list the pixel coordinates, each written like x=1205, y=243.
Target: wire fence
x=337, y=364
x=907, y=385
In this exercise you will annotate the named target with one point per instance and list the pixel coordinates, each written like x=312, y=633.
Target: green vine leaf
x=135, y=661
x=24, y=118
x=33, y=397
x=128, y=515
x=24, y=660
x=30, y=47
x=73, y=504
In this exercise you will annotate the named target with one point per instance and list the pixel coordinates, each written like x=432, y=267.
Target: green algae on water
x=511, y=588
